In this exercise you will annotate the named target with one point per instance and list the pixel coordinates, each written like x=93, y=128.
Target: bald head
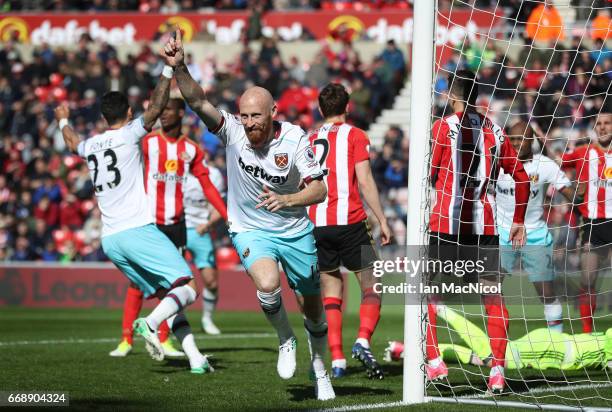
x=257, y=109
x=257, y=97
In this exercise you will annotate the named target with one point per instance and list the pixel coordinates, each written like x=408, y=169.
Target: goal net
x=543, y=75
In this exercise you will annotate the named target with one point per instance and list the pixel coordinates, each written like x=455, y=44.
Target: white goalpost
x=561, y=100
x=420, y=129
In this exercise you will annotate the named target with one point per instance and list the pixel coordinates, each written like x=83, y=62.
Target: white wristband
x=168, y=71
x=63, y=123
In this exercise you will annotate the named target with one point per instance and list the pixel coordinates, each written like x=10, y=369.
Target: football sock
x=434, y=363
x=496, y=370
x=317, y=342
x=209, y=302
x=432, y=333
x=339, y=363
x=587, y=303
x=182, y=331
x=369, y=314
x=497, y=327
x=553, y=313
x=163, y=332
x=333, y=312
x=272, y=305
x=174, y=301
x=363, y=342
x=131, y=309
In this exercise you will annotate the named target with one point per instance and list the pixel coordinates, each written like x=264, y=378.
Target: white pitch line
x=545, y=390
x=107, y=340
x=360, y=407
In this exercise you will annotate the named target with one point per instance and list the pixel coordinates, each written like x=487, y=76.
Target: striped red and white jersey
x=593, y=167
x=167, y=162
x=338, y=148
x=467, y=153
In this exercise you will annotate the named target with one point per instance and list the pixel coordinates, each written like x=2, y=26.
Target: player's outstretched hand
x=172, y=52
x=385, y=233
x=272, y=201
x=62, y=112
x=518, y=235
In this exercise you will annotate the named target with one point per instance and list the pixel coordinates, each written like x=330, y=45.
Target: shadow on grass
x=306, y=392
x=108, y=404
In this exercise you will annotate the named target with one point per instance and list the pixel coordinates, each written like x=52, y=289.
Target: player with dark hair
x=593, y=166
x=129, y=238
x=342, y=231
x=169, y=157
x=468, y=150
x=536, y=257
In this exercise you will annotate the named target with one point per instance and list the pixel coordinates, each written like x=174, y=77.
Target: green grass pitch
x=67, y=350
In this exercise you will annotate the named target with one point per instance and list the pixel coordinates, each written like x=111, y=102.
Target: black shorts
x=596, y=232
x=177, y=233
x=481, y=248
x=351, y=246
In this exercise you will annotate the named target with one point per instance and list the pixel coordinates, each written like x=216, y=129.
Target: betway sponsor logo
x=169, y=177
x=258, y=172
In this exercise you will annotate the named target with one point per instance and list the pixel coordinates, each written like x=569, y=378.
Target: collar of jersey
x=170, y=139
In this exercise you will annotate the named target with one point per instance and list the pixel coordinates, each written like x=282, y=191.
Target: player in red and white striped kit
x=468, y=150
x=168, y=158
x=342, y=232
x=593, y=166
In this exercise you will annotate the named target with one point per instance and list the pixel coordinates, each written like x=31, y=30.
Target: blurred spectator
x=396, y=175
x=23, y=251
x=47, y=211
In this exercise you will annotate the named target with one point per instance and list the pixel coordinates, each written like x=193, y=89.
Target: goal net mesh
x=544, y=74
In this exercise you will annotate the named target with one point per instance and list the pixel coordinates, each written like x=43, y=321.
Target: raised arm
x=71, y=138
x=159, y=99
x=190, y=89
x=161, y=93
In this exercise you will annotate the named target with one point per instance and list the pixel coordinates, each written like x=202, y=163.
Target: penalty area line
x=116, y=339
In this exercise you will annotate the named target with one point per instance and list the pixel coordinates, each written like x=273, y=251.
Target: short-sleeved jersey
x=467, y=153
x=594, y=170
x=115, y=165
x=197, y=210
x=338, y=148
x=542, y=171
x=281, y=166
x=168, y=161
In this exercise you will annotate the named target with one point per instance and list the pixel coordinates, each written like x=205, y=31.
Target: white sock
x=434, y=363
x=364, y=342
x=496, y=370
x=339, y=363
x=191, y=350
x=317, y=342
x=181, y=329
x=272, y=305
x=174, y=302
x=209, y=302
x=553, y=313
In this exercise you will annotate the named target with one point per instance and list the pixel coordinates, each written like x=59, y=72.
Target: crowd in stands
x=47, y=209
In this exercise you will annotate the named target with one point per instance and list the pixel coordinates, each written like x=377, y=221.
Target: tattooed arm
x=159, y=99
